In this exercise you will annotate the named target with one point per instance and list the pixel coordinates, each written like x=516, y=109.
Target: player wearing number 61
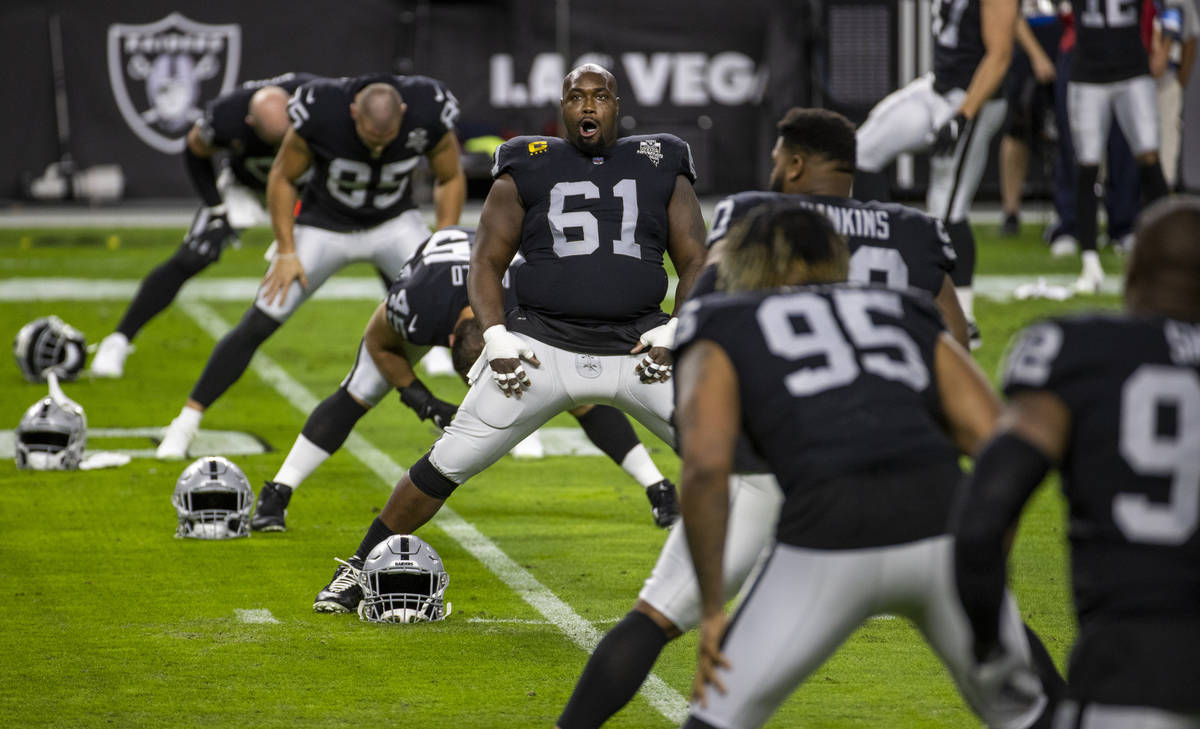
x=592, y=215
x=361, y=138
x=1112, y=400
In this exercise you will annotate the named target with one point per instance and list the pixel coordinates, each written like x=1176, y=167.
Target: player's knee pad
x=429, y=480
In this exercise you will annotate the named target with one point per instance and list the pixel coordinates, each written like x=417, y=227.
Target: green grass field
x=109, y=621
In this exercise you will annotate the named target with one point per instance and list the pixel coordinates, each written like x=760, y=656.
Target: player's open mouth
x=588, y=128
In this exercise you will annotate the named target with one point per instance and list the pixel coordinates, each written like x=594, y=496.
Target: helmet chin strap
x=56, y=392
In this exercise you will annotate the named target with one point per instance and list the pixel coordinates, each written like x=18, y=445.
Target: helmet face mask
x=51, y=436
x=49, y=343
x=403, y=581
x=212, y=500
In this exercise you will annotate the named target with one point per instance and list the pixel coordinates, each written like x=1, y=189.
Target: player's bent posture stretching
x=592, y=216
x=427, y=307
x=228, y=154
x=361, y=137
x=860, y=403
x=1110, y=76
x=1112, y=400
x=953, y=110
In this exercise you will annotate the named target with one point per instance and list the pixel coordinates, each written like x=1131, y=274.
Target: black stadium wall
x=136, y=73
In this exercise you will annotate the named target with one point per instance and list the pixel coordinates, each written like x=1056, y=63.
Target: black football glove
x=210, y=233
x=946, y=138
x=426, y=406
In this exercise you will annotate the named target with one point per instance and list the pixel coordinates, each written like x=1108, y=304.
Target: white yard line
x=996, y=287
x=666, y=700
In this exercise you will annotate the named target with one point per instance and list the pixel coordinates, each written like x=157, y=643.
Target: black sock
x=376, y=533
x=610, y=430
x=1152, y=183
x=1085, y=206
x=155, y=293
x=231, y=356
x=871, y=186
x=331, y=422
x=613, y=674
x=963, y=240
x=1052, y=681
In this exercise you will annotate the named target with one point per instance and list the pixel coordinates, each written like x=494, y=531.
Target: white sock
x=1091, y=264
x=966, y=299
x=304, y=458
x=190, y=417
x=637, y=464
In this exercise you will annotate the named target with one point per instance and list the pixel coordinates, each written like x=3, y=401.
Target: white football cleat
x=109, y=360
x=1092, y=276
x=175, y=441
x=1063, y=246
x=438, y=362
x=531, y=447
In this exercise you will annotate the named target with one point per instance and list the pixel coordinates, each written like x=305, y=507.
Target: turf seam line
x=666, y=700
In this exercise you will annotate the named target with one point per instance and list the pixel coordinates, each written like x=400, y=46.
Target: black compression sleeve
x=1005, y=475
x=203, y=177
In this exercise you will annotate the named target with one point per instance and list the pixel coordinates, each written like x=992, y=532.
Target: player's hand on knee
x=504, y=352
x=945, y=139
x=710, y=658
x=285, y=268
x=656, y=366
x=426, y=405
x=211, y=233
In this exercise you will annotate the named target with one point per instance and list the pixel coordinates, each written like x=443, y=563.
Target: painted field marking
x=256, y=616
x=991, y=286
x=666, y=700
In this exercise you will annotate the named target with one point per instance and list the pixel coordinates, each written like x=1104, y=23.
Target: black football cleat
x=342, y=594
x=271, y=509
x=664, y=502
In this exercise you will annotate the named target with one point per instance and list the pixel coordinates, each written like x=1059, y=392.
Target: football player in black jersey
x=592, y=216
x=228, y=154
x=1113, y=401
x=361, y=137
x=1110, y=76
x=812, y=168
x=953, y=111
x=427, y=307
x=860, y=403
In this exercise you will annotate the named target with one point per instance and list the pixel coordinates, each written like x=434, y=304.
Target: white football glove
x=500, y=344
x=662, y=335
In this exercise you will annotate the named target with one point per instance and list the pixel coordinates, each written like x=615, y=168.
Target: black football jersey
x=889, y=243
x=1131, y=475
x=224, y=127
x=427, y=297
x=1108, y=41
x=957, y=43
x=593, y=237
x=350, y=190
x=836, y=382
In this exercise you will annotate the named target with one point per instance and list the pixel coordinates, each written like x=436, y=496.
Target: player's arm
x=1031, y=436
x=449, y=181
x=197, y=158
x=496, y=241
x=1187, y=59
x=685, y=241
x=393, y=356
x=998, y=22
x=293, y=158
x=707, y=418
x=968, y=402
x=685, y=245
x=952, y=313
x=1043, y=67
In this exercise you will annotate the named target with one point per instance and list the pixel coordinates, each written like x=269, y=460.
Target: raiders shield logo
x=162, y=73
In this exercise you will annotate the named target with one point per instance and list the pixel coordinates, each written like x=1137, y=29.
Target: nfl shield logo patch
x=163, y=72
